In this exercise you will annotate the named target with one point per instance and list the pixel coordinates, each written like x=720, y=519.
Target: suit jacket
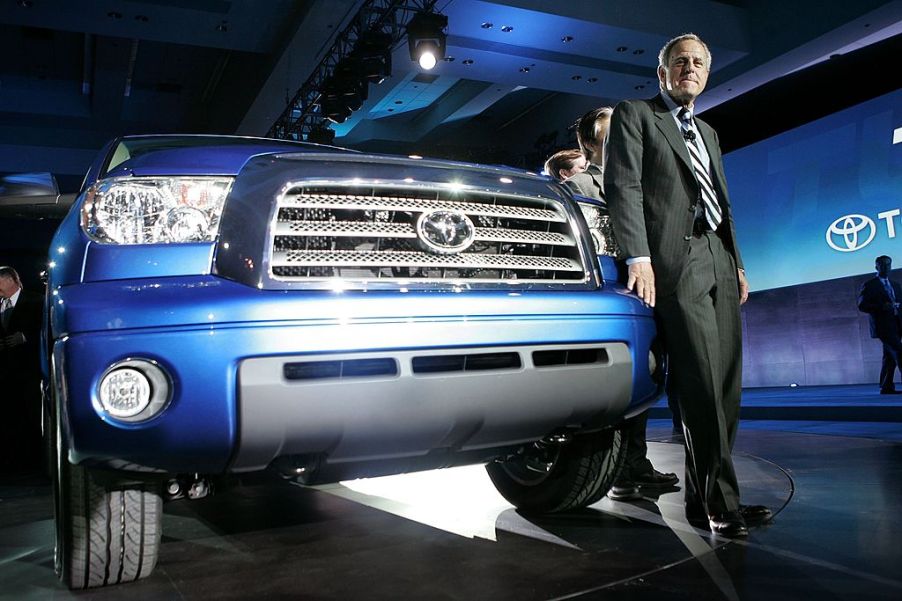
x=589, y=183
x=651, y=188
x=23, y=361
x=872, y=299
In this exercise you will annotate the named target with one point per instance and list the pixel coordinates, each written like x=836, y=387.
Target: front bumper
x=225, y=346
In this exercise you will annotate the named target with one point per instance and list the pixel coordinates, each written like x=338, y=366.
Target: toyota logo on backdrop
x=851, y=232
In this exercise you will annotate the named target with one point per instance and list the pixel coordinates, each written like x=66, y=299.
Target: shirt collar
x=673, y=107
x=15, y=298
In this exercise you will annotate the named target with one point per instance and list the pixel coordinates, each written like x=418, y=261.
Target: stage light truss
x=356, y=47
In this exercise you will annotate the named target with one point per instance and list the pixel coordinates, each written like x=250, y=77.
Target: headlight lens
x=599, y=223
x=155, y=210
x=124, y=392
x=133, y=390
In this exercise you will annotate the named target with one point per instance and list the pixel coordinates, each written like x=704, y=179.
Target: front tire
x=562, y=477
x=105, y=534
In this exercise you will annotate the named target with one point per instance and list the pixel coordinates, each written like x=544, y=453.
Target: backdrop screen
x=823, y=200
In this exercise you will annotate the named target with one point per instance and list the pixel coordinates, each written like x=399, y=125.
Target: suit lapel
x=896, y=290
x=671, y=132
x=878, y=285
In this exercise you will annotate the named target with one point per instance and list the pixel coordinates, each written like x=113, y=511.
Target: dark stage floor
x=448, y=535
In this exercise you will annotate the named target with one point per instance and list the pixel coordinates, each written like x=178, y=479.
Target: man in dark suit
x=667, y=194
x=879, y=297
x=20, y=325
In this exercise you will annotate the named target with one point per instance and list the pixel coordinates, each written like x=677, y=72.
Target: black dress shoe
x=729, y=524
x=755, y=514
x=624, y=490
x=891, y=392
x=655, y=478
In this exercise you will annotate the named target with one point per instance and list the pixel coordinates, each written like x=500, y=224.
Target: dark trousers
x=892, y=352
x=637, y=449
x=702, y=325
x=20, y=429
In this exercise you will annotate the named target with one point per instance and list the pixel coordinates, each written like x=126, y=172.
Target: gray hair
x=12, y=274
x=664, y=54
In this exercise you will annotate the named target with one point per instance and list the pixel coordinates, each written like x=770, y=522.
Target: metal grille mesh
x=369, y=233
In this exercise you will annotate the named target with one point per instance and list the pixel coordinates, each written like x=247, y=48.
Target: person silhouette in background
x=638, y=472
x=591, y=130
x=20, y=399
x=879, y=297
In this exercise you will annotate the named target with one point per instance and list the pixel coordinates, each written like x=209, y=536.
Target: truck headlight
x=599, y=223
x=154, y=210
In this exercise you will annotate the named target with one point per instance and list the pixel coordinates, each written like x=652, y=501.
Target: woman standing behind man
x=591, y=130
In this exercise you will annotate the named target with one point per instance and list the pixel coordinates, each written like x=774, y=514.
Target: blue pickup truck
x=222, y=305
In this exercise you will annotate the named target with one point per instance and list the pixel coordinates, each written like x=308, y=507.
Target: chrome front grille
x=370, y=234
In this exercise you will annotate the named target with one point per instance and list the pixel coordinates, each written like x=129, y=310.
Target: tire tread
x=113, y=534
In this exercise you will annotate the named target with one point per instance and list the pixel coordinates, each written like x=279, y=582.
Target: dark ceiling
x=75, y=73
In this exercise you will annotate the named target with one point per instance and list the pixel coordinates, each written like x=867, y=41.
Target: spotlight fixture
x=426, y=38
x=373, y=50
x=344, y=91
x=321, y=134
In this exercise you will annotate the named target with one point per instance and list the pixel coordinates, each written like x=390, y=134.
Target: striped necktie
x=713, y=213
x=5, y=306
x=889, y=289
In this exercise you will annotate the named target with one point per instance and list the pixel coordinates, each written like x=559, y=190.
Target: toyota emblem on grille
x=446, y=232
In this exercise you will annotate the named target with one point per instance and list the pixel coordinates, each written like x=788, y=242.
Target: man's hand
x=743, y=287
x=13, y=340
x=642, y=277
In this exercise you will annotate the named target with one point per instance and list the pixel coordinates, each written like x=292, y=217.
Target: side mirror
x=32, y=195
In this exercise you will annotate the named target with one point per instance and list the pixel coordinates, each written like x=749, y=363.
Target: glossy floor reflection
x=448, y=535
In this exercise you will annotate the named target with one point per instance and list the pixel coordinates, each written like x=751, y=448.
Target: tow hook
x=193, y=486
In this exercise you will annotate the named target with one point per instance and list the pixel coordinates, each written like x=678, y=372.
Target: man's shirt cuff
x=632, y=260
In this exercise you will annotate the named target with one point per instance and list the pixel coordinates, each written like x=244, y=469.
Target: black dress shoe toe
x=755, y=513
x=891, y=392
x=729, y=524
x=656, y=478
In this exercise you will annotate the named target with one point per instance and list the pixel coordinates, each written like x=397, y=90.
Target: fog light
x=652, y=363
x=125, y=392
x=133, y=390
